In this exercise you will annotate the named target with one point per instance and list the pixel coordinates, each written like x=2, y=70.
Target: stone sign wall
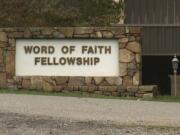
x=127, y=83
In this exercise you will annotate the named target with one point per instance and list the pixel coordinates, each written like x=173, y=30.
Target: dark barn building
x=160, y=22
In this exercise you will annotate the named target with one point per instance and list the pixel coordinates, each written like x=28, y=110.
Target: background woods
x=59, y=12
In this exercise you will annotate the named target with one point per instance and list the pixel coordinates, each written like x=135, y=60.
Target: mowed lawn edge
x=164, y=98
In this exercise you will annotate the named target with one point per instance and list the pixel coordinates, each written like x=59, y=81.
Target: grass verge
x=65, y=94
x=88, y=95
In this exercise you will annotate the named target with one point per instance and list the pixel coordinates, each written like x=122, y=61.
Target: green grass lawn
x=88, y=95
x=66, y=94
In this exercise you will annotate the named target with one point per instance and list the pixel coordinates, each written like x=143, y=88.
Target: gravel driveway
x=16, y=124
x=122, y=112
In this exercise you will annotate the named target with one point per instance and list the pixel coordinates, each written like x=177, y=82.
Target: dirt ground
x=16, y=124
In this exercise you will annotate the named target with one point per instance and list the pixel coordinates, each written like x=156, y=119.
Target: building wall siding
x=152, y=12
x=161, y=40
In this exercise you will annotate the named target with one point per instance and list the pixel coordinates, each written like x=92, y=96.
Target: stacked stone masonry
x=127, y=84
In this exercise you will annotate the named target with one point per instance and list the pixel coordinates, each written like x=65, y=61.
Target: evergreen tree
x=14, y=13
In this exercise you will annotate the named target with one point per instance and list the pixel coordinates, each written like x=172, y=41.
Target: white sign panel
x=67, y=57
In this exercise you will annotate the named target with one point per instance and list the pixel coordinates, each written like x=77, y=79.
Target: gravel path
x=86, y=109
x=15, y=124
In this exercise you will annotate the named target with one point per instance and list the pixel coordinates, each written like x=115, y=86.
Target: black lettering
x=96, y=60
x=54, y=61
x=28, y=49
x=43, y=49
x=79, y=61
x=62, y=61
x=92, y=61
x=51, y=49
x=90, y=50
x=84, y=49
x=43, y=61
x=36, y=49
x=85, y=61
x=71, y=60
x=72, y=48
x=107, y=49
x=64, y=49
x=36, y=60
x=100, y=49
x=49, y=62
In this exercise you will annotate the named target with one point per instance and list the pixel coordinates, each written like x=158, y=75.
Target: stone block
x=27, y=33
x=130, y=94
x=98, y=80
x=16, y=35
x=69, y=88
x=84, y=88
x=132, y=38
x=88, y=80
x=122, y=45
x=10, y=81
x=124, y=94
x=132, y=65
x=57, y=34
x=3, y=37
x=47, y=31
x=19, y=79
x=98, y=34
x=83, y=30
x=49, y=80
x=132, y=88
x=115, y=94
x=107, y=34
x=138, y=58
x=114, y=80
x=58, y=88
x=93, y=35
x=148, y=95
x=123, y=69
x=136, y=78
x=121, y=89
x=3, y=44
x=2, y=80
x=98, y=92
x=127, y=81
x=123, y=40
x=92, y=88
x=102, y=88
x=67, y=32
x=118, y=30
x=107, y=93
x=61, y=80
x=48, y=87
x=12, y=86
x=134, y=47
x=26, y=83
x=138, y=95
x=76, y=81
x=111, y=88
x=12, y=42
x=131, y=72
x=126, y=55
x=37, y=83
x=10, y=63
x=148, y=88
x=75, y=88
x=2, y=68
x=82, y=36
x=132, y=68
x=1, y=56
